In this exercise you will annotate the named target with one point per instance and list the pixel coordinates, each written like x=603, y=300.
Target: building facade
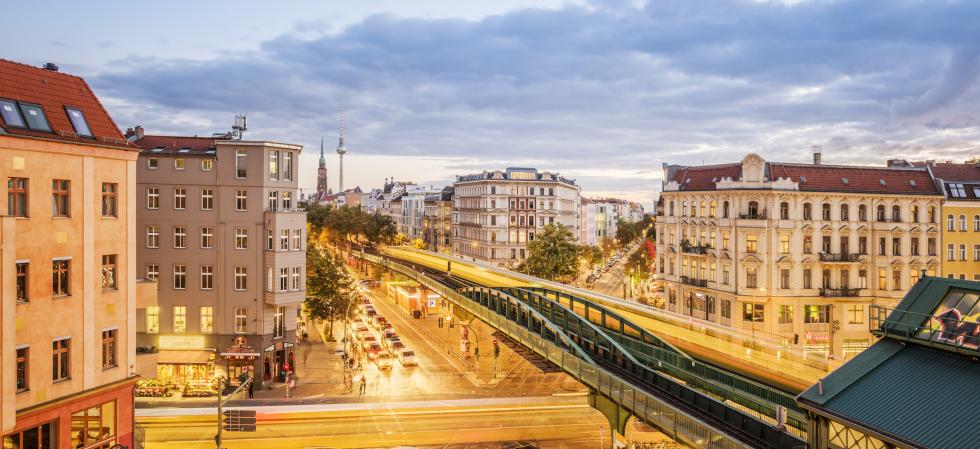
x=220, y=229
x=437, y=220
x=67, y=265
x=960, y=184
x=599, y=218
x=795, y=250
x=495, y=213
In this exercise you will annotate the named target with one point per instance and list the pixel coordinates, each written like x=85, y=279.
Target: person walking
x=251, y=387
x=363, y=385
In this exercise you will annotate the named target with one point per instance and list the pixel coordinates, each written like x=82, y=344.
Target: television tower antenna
x=341, y=151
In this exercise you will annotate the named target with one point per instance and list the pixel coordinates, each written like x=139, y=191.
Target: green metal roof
x=913, y=391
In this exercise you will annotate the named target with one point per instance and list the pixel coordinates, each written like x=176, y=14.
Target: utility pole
x=221, y=403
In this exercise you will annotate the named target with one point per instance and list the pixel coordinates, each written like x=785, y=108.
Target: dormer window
x=8, y=110
x=912, y=182
x=78, y=122
x=153, y=163
x=802, y=179
x=882, y=182
x=844, y=180
x=34, y=117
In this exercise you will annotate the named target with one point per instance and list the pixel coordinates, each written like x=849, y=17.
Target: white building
x=598, y=218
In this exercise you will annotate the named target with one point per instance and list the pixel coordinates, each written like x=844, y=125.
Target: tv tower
x=341, y=151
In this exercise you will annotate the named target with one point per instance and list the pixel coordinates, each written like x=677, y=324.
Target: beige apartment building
x=795, y=250
x=495, y=213
x=218, y=226
x=67, y=265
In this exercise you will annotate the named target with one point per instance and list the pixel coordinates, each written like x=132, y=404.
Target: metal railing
x=839, y=292
x=946, y=330
x=687, y=247
x=695, y=282
x=840, y=257
x=761, y=215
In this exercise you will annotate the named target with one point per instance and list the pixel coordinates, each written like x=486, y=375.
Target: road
x=767, y=365
x=562, y=422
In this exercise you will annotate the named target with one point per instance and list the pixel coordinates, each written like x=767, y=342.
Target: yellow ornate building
x=960, y=184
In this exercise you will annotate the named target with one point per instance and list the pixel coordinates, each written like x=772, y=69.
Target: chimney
x=51, y=66
x=130, y=133
x=139, y=132
x=931, y=162
x=816, y=154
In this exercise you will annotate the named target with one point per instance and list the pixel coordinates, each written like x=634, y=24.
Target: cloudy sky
x=603, y=91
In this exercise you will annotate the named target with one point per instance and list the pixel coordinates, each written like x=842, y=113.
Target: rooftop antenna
x=238, y=129
x=341, y=149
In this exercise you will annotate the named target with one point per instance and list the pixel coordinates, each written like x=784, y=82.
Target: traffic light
x=440, y=322
x=796, y=339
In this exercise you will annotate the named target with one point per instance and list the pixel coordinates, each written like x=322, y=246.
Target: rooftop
x=44, y=103
x=176, y=145
x=515, y=174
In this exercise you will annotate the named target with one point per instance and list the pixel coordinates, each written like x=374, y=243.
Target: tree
x=379, y=228
x=607, y=246
x=626, y=232
x=592, y=254
x=418, y=243
x=639, y=264
x=330, y=289
x=316, y=216
x=552, y=255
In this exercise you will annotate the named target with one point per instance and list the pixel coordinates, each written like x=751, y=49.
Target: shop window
x=180, y=319
x=753, y=312
x=207, y=319
x=94, y=427
x=44, y=436
x=816, y=314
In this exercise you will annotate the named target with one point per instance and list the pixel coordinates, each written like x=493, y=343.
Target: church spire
x=323, y=158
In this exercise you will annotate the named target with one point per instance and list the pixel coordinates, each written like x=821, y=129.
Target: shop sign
x=181, y=342
x=817, y=337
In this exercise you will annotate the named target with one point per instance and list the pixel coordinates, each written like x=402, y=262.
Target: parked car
x=370, y=313
x=407, y=357
x=358, y=325
x=388, y=341
x=383, y=360
x=396, y=345
x=367, y=339
x=379, y=322
x=372, y=350
x=388, y=333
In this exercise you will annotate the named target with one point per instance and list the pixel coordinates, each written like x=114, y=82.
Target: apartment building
x=219, y=228
x=67, y=265
x=495, y=213
x=599, y=217
x=795, y=250
x=960, y=184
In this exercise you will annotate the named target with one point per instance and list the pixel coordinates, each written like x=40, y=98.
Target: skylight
x=184, y=150
x=951, y=323
x=803, y=179
x=956, y=190
x=844, y=180
x=78, y=122
x=882, y=182
x=8, y=110
x=912, y=182
x=157, y=150
x=976, y=191
x=35, y=118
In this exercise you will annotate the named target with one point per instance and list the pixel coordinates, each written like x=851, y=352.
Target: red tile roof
x=818, y=178
x=172, y=145
x=948, y=171
x=53, y=91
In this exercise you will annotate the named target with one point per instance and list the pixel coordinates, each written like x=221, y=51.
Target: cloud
x=604, y=89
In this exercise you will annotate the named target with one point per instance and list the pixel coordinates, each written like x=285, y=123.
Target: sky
x=603, y=91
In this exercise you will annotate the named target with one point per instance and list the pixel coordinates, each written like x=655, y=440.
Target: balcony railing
x=839, y=292
x=761, y=215
x=695, y=282
x=840, y=257
x=687, y=247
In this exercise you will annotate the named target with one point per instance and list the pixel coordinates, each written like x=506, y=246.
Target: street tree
x=607, y=246
x=379, y=228
x=330, y=289
x=552, y=255
x=626, y=232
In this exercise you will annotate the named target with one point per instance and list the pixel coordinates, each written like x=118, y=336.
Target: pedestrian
x=363, y=385
x=251, y=387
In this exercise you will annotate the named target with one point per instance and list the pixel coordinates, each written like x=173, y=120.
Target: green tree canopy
x=552, y=255
x=330, y=289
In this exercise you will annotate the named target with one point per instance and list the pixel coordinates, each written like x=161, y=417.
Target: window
x=270, y=240
x=816, y=314
x=855, y=314
x=784, y=210
x=807, y=278
x=241, y=200
x=807, y=244
x=726, y=309
x=881, y=212
x=826, y=278
x=60, y=278
x=241, y=278
x=785, y=314
x=976, y=223
x=153, y=319
x=751, y=278
x=180, y=198
x=753, y=209
x=241, y=160
x=279, y=322
x=845, y=213
x=61, y=359
x=180, y=235
x=96, y=424
x=962, y=251
x=287, y=200
x=179, y=164
x=109, y=271
x=241, y=238
x=152, y=271
x=153, y=236
x=297, y=239
x=882, y=279
x=287, y=165
x=152, y=198
x=109, y=340
x=60, y=204
x=34, y=116
x=724, y=209
x=862, y=278
x=932, y=246
x=207, y=277
x=207, y=319
x=784, y=244
x=882, y=246
x=152, y=163
x=284, y=279
x=950, y=251
x=273, y=201
x=23, y=371
x=896, y=214
x=914, y=247
x=862, y=212
x=207, y=199
x=296, y=278
x=915, y=214
x=825, y=210
x=896, y=279
x=784, y=278
x=207, y=237
x=753, y=312
x=751, y=243
x=284, y=239
x=976, y=252
x=109, y=192
x=896, y=246
x=42, y=436
x=862, y=245
x=180, y=319
x=273, y=165
x=17, y=197
x=950, y=223
x=180, y=277
x=8, y=110
x=956, y=190
x=207, y=164
x=807, y=211
x=78, y=122
x=240, y=320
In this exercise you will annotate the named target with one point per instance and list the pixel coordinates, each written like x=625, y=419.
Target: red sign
x=817, y=337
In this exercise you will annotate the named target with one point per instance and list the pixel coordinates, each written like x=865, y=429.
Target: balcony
x=839, y=292
x=687, y=247
x=695, y=282
x=760, y=215
x=840, y=257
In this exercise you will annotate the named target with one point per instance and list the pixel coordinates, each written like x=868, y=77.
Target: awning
x=185, y=357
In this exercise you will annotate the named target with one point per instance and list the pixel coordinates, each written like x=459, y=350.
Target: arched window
x=881, y=212
x=753, y=208
x=684, y=208
x=950, y=223
x=724, y=210
x=862, y=212
x=807, y=211
x=826, y=212
x=963, y=223
x=976, y=223
x=896, y=213
x=844, y=213
x=784, y=210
